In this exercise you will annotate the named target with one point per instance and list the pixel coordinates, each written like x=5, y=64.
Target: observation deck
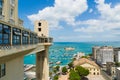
x=16, y=41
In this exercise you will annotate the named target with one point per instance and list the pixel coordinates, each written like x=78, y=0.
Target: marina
x=58, y=53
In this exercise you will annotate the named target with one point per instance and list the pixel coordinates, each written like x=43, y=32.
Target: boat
x=58, y=62
x=69, y=48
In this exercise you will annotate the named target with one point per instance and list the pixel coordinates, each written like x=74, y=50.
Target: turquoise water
x=57, y=52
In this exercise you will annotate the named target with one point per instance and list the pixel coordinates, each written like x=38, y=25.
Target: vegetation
x=55, y=77
x=73, y=59
x=74, y=75
x=90, y=54
x=117, y=64
x=70, y=65
x=84, y=57
x=57, y=67
x=64, y=70
x=78, y=73
x=50, y=73
x=81, y=71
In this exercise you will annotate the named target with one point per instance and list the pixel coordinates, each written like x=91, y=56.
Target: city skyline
x=75, y=20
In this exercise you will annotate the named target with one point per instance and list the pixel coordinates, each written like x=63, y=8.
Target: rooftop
x=83, y=61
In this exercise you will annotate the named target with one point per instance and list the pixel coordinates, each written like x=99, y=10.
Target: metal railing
x=8, y=47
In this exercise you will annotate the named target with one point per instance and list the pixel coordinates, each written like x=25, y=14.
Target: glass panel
x=5, y=36
x=1, y=5
x=0, y=41
x=16, y=36
x=2, y=69
x=1, y=28
x=6, y=41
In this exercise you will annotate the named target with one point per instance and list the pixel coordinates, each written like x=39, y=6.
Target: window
x=12, y=2
x=1, y=6
x=2, y=70
x=35, y=39
x=11, y=13
x=4, y=34
x=25, y=39
x=39, y=24
x=31, y=38
x=16, y=36
x=39, y=29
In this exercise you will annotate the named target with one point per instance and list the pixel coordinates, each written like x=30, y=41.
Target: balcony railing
x=46, y=40
x=8, y=47
x=16, y=31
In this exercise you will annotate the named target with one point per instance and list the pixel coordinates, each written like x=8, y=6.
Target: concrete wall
x=44, y=28
x=14, y=69
x=92, y=69
x=7, y=6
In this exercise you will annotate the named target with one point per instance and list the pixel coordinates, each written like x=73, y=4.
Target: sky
x=74, y=20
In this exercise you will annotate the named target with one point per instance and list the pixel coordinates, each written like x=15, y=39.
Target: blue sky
x=75, y=20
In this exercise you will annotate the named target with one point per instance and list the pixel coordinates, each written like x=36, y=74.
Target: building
x=42, y=27
x=111, y=69
x=90, y=65
x=9, y=11
x=117, y=54
x=104, y=54
x=118, y=73
x=94, y=50
x=78, y=55
x=16, y=42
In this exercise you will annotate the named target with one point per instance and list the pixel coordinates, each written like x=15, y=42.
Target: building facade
x=94, y=50
x=90, y=65
x=118, y=73
x=41, y=27
x=117, y=54
x=104, y=54
x=111, y=69
x=9, y=11
x=16, y=42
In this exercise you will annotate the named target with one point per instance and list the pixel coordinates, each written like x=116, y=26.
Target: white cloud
x=77, y=38
x=107, y=23
x=107, y=26
x=63, y=10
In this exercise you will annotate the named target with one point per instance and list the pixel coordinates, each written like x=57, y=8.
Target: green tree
x=55, y=77
x=50, y=73
x=81, y=71
x=70, y=65
x=54, y=70
x=57, y=67
x=90, y=54
x=117, y=64
x=84, y=57
x=64, y=70
x=74, y=75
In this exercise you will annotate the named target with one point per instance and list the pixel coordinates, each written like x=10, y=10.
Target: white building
x=94, y=50
x=104, y=54
x=79, y=55
x=118, y=73
x=117, y=54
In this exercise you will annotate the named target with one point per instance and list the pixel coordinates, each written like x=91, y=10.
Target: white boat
x=69, y=48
